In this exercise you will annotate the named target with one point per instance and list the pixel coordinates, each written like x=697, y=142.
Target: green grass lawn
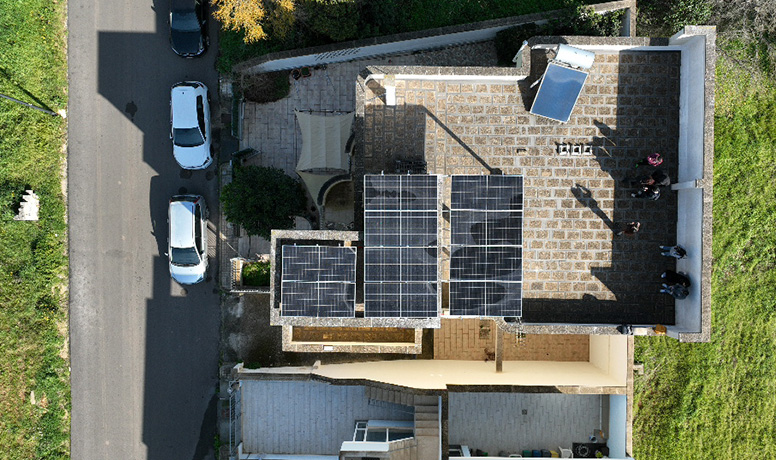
x=718, y=400
x=33, y=259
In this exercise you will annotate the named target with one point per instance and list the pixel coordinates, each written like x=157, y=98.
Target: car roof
x=182, y=224
x=184, y=106
x=185, y=5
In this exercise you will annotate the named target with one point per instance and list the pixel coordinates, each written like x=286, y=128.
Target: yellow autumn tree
x=256, y=18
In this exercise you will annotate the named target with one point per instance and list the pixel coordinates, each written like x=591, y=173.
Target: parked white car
x=187, y=241
x=190, y=125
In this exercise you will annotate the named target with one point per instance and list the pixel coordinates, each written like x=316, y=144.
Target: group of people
x=677, y=285
x=647, y=187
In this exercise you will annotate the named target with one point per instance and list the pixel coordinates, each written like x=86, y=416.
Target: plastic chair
x=565, y=453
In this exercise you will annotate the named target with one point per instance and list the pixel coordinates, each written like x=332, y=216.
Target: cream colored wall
x=437, y=374
x=609, y=353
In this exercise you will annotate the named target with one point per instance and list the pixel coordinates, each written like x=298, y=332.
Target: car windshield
x=184, y=256
x=187, y=137
x=184, y=21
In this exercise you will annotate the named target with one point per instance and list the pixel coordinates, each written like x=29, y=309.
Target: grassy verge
x=34, y=378
x=717, y=400
x=320, y=23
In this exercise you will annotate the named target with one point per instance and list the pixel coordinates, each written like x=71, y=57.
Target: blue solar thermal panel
x=558, y=92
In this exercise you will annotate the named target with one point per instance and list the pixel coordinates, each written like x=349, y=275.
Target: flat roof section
x=575, y=269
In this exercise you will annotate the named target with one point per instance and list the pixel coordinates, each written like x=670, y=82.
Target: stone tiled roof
x=576, y=270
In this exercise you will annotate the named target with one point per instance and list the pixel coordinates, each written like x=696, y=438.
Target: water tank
x=575, y=57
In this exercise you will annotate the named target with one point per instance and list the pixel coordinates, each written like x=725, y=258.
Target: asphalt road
x=144, y=351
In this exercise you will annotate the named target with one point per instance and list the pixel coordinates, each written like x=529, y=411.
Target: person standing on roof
x=671, y=277
x=649, y=192
x=677, y=252
x=630, y=229
x=658, y=177
x=652, y=160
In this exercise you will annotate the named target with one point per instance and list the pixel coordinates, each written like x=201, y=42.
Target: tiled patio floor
x=575, y=269
x=475, y=339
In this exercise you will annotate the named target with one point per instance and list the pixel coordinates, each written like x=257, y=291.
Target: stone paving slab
x=475, y=339
x=271, y=128
x=575, y=269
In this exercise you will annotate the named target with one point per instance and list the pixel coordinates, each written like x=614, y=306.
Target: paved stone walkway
x=272, y=129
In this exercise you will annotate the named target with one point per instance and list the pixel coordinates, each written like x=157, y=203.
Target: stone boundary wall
x=408, y=42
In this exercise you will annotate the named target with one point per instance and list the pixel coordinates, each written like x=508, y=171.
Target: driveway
x=144, y=350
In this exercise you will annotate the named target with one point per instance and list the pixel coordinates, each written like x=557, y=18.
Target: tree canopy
x=256, y=18
x=260, y=199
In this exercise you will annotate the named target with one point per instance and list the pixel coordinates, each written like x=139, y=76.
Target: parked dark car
x=188, y=27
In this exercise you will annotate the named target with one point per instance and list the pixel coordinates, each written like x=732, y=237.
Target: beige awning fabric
x=323, y=141
x=324, y=160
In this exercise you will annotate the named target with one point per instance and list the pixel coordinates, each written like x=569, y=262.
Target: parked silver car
x=190, y=125
x=187, y=241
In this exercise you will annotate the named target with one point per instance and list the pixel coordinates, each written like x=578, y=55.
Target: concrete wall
x=618, y=405
x=689, y=235
x=695, y=179
x=436, y=374
x=609, y=353
x=691, y=105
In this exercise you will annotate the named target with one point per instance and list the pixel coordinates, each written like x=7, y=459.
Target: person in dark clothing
x=671, y=277
x=677, y=291
x=649, y=192
x=677, y=252
x=657, y=177
x=630, y=229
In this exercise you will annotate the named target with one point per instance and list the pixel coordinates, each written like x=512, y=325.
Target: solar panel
x=400, y=246
x=558, y=92
x=318, y=281
x=486, y=264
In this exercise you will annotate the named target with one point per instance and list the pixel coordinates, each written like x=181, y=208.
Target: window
x=201, y=114
x=198, y=228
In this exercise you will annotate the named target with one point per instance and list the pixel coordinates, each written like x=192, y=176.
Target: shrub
x=260, y=199
x=333, y=20
x=663, y=18
x=579, y=21
x=255, y=274
x=265, y=87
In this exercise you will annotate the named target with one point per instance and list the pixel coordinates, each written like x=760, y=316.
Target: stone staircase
x=426, y=417
x=427, y=426
x=390, y=396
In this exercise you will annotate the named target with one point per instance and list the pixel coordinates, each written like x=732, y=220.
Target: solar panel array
x=318, y=281
x=486, y=226
x=400, y=246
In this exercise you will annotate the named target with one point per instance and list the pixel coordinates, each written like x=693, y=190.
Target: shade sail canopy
x=324, y=139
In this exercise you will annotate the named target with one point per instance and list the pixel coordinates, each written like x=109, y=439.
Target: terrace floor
x=475, y=339
x=575, y=269
x=512, y=422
